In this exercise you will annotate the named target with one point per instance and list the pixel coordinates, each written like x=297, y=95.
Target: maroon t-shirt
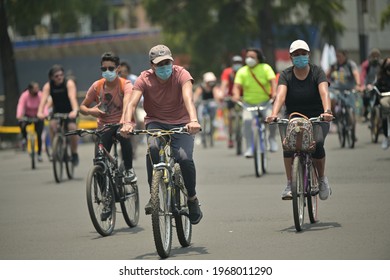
x=163, y=102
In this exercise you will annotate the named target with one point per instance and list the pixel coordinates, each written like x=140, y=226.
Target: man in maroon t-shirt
x=167, y=92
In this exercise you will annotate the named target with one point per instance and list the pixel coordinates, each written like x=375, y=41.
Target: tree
x=23, y=16
x=385, y=17
x=212, y=30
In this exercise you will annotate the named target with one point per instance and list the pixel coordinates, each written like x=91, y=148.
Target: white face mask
x=250, y=61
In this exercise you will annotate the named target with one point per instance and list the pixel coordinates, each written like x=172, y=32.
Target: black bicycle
x=168, y=195
x=61, y=151
x=106, y=185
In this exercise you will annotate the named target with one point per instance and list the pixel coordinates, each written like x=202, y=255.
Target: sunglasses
x=110, y=68
x=58, y=75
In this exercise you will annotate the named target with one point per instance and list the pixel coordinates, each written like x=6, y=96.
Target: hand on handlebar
x=126, y=128
x=271, y=119
x=327, y=117
x=193, y=127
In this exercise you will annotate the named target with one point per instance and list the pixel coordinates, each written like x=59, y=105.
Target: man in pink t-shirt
x=28, y=108
x=167, y=92
x=110, y=96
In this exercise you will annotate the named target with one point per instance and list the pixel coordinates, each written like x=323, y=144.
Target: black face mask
x=375, y=62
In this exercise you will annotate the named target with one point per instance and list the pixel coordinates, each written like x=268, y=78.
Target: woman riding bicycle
x=303, y=88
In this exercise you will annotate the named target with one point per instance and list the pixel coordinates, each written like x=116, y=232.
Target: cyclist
x=111, y=95
x=383, y=85
x=167, y=92
x=227, y=81
x=62, y=93
x=369, y=70
x=206, y=96
x=256, y=81
x=28, y=107
x=303, y=88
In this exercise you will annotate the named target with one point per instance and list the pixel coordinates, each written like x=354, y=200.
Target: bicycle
x=61, y=151
x=305, y=180
x=345, y=115
x=237, y=127
x=207, y=134
x=259, y=140
x=377, y=113
x=32, y=140
x=106, y=186
x=168, y=195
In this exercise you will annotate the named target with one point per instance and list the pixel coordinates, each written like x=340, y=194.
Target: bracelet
x=194, y=121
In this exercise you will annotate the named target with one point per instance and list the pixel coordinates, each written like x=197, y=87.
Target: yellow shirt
x=253, y=93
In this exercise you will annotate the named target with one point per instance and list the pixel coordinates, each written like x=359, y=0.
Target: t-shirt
x=228, y=75
x=253, y=93
x=111, y=101
x=303, y=96
x=28, y=104
x=342, y=77
x=163, y=102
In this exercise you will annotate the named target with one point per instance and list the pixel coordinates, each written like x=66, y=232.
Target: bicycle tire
x=58, y=158
x=238, y=134
x=32, y=152
x=312, y=200
x=341, y=130
x=350, y=128
x=257, y=154
x=182, y=222
x=205, y=131
x=375, y=124
x=130, y=204
x=298, y=195
x=161, y=218
x=97, y=200
x=69, y=166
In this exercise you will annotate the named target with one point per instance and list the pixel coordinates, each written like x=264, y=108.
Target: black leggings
x=127, y=151
x=319, y=153
x=38, y=129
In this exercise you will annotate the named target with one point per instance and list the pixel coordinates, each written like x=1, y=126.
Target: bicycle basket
x=298, y=134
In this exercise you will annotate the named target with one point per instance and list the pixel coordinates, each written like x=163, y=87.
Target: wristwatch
x=328, y=112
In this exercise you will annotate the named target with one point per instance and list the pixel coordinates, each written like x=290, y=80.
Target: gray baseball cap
x=159, y=53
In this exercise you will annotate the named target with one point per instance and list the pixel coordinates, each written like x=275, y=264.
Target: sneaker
x=314, y=190
x=39, y=158
x=249, y=153
x=106, y=213
x=385, y=143
x=130, y=176
x=230, y=144
x=195, y=214
x=286, y=194
x=273, y=145
x=75, y=159
x=325, y=190
x=148, y=208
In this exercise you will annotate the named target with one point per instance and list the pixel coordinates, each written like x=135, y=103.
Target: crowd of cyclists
x=167, y=96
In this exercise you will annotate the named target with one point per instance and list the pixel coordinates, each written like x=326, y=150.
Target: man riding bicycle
x=167, y=92
x=111, y=94
x=303, y=88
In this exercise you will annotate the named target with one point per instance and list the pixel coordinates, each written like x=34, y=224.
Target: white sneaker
x=249, y=153
x=325, y=190
x=385, y=143
x=286, y=194
x=273, y=145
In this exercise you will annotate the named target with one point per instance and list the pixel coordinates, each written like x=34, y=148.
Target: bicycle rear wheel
x=32, y=152
x=258, y=155
x=312, y=205
x=375, y=124
x=297, y=190
x=58, y=155
x=68, y=160
x=101, y=201
x=130, y=204
x=183, y=224
x=161, y=218
x=350, y=128
x=238, y=133
x=206, y=130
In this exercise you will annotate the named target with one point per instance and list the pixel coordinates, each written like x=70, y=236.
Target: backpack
x=299, y=134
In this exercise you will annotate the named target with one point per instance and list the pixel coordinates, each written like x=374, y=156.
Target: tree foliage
x=210, y=31
x=385, y=17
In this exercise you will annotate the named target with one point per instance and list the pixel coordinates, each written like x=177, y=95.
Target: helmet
x=237, y=58
x=209, y=77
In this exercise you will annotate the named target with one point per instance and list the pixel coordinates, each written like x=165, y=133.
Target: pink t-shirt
x=163, y=102
x=28, y=104
x=112, y=101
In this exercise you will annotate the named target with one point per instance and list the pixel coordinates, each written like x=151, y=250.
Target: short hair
x=110, y=56
x=259, y=53
x=54, y=69
x=125, y=64
x=31, y=85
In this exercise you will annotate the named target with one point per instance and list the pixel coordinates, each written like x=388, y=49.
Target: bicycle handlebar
x=382, y=94
x=98, y=131
x=156, y=132
x=30, y=119
x=253, y=108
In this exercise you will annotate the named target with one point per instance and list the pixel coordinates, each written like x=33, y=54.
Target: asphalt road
x=244, y=216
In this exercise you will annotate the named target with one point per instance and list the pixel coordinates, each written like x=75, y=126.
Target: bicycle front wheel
x=32, y=152
x=375, y=124
x=161, y=218
x=68, y=161
x=312, y=205
x=260, y=154
x=130, y=204
x=238, y=133
x=183, y=224
x=101, y=201
x=297, y=190
x=350, y=128
x=58, y=155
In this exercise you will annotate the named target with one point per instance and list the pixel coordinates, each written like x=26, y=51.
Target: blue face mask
x=164, y=72
x=300, y=61
x=236, y=67
x=109, y=75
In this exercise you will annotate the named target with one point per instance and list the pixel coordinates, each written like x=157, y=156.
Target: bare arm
x=45, y=96
x=128, y=113
x=72, y=95
x=273, y=88
x=281, y=93
x=237, y=88
x=193, y=126
x=324, y=93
